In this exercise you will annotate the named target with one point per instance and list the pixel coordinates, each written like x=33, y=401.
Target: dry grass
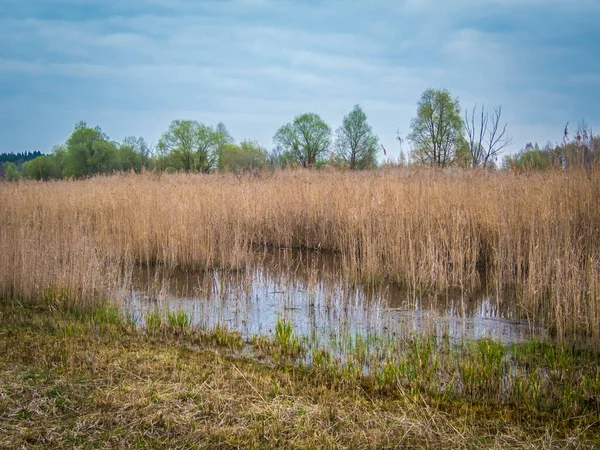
x=534, y=234
x=88, y=380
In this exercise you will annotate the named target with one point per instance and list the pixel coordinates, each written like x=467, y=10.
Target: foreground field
x=86, y=378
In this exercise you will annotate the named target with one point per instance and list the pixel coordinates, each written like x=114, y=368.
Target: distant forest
x=18, y=158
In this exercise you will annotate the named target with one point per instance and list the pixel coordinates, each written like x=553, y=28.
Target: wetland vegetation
x=296, y=308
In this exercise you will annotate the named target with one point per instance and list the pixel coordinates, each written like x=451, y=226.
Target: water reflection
x=307, y=290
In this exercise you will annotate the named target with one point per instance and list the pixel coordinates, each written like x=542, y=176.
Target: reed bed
x=533, y=235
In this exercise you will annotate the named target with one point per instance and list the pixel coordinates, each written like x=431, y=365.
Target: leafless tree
x=486, y=138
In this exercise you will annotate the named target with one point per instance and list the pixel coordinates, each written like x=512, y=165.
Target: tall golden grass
x=536, y=234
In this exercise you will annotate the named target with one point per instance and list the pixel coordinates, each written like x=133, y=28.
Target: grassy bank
x=535, y=235
x=88, y=378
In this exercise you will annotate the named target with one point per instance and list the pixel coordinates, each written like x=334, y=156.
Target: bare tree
x=486, y=138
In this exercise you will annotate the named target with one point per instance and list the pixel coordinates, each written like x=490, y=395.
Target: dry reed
x=536, y=234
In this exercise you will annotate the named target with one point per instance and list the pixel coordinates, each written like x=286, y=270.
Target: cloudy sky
x=133, y=66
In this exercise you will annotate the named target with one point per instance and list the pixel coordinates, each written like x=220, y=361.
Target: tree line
x=441, y=135
x=19, y=158
x=582, y=149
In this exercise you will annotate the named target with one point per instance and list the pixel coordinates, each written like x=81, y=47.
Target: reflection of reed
x=306, y=289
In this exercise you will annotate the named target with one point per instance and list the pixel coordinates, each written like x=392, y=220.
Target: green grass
x=154, y=320
x=86, y=377
x=179, y=319
x=223, y=336
x=288, y=344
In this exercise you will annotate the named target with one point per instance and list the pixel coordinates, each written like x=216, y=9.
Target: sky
x=131, y=67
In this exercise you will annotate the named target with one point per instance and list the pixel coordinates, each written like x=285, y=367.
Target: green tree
x=19, y=158
x=134, y=154
x=436, y=132
x=190, y=146
x=42, y=168
x=129, y=159
x=462, y=155
x=244, y=157
x=223, y=135
x=11, y=172
x=306, y=139
x=280, y=158
x=355, y=143
x=59, y=152
x=532, y=157
x=89, y=151
x=224, y=139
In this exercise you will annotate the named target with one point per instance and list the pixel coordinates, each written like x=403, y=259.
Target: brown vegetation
x=536, y=234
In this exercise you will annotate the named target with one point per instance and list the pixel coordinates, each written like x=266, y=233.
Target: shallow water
x=308, y=291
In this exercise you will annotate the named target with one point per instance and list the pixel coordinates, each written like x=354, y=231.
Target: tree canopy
x=355, y=142
x=306, y=139
x=436, y=132
x=42, y=168
x=19, y=158
x=244, y=157
x=11, y=171
x=190, y=146
x=89, y=151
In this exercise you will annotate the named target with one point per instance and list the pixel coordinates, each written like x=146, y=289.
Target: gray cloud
x=132, y=67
